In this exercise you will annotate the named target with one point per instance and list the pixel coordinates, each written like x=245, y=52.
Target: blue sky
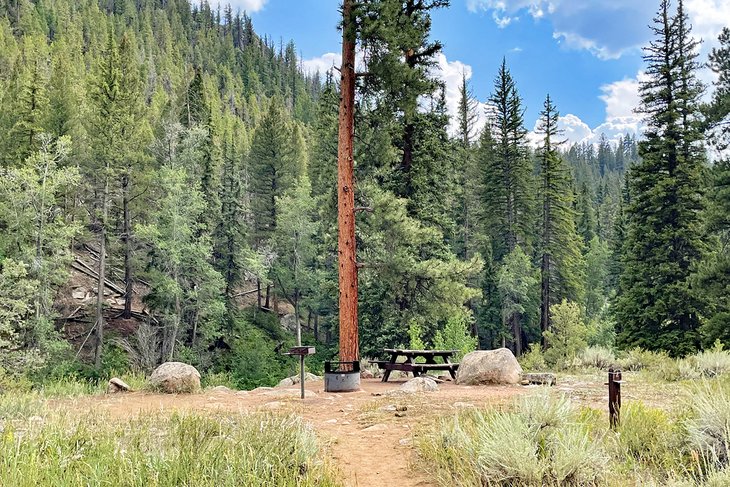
x=585, y=53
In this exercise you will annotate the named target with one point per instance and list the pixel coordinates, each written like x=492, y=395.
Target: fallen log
x=85, y=269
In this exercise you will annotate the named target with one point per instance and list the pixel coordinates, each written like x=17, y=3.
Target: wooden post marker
x=614, y=397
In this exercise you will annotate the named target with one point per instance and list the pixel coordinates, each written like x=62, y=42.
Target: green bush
x=567, y=336
x=639, y=359
x=456, y=335
x=533, y=360
x=598, y=357
x=214, y=379
x=712, y=362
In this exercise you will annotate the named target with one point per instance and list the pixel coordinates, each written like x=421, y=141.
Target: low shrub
x=713, y=362
x=708, y=425
x=533, y=360
x=639, y=359
x=646, y=437
x=218, y=379
x=598, y=357
x=542, y=441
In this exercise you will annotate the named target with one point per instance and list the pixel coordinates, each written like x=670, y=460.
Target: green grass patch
x=64, y=449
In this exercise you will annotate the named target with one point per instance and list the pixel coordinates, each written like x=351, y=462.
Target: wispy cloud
x=607, y=28
x=249, y=6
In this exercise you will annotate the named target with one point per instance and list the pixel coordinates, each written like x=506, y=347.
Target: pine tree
x=657, y=309
x=105, y=128
x=713, y=276
x=469, y=178
x=508, y=172
x=517, y=281
x=270, y=162
x=230, y=234
x=31, y=102
x=397, y=33
x=561, y=261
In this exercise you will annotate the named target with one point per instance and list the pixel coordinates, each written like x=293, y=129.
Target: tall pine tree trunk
x=517, y=332
x=102, y=273
x=349, y=346
x=128, y=288
x=545, y=296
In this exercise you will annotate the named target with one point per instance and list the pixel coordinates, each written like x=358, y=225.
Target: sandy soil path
x=366, y=433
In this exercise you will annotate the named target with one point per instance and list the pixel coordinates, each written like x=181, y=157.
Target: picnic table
x=410, y=365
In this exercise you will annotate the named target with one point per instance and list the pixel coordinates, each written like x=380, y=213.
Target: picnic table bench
x=410, y=365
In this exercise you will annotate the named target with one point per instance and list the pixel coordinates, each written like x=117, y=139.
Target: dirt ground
x=368, y=433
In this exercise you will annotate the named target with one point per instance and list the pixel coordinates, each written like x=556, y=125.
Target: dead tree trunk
x=349, y=346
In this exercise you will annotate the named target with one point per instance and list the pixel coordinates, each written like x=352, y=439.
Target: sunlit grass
x=66, y=449
x=547, y=440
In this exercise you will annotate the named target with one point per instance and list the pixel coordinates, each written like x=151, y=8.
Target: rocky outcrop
x=175, y=378
x=489, y=367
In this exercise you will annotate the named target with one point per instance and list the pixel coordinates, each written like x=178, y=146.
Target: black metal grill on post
x=614, y=397
x=301, y=352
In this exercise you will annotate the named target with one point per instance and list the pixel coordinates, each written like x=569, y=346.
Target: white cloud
x=451, y=73
x=621, y=97
x=249, y=6
x=502, y=21
x=606, y=28
x=323, y=63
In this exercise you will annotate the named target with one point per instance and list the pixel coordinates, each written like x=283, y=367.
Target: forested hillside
x=182, y=162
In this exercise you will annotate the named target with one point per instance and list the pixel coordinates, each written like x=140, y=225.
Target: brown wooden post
x=614, y=397
x=349, y=347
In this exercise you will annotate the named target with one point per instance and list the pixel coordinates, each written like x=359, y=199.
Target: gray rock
x=544, y=378
x=366, y=374
x=489, y=367
x=294, y=379
x=117, y=385
x=289, y=322
x=175, y=377
x=420, y=384
x=221, y=390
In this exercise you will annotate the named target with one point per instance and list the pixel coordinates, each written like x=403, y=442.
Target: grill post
x=301, y=352
x=614, y=397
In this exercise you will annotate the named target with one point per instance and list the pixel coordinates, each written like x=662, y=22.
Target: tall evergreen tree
x=561, y=261
x=657, y=308
x=469, y=178
x=508, y=172
x=713, y=276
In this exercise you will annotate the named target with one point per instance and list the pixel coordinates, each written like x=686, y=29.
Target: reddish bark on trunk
x=349, y=346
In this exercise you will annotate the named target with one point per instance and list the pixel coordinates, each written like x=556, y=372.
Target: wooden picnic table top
x=402, y=351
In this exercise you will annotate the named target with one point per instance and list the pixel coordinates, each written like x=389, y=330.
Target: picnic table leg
x=409, y=360
x=386, y=374
x=452, y=372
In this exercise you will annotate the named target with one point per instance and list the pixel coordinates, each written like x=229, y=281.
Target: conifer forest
x=168, y=191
